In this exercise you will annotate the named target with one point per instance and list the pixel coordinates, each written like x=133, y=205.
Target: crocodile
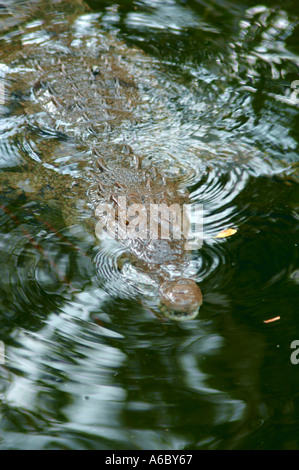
x=82, y=88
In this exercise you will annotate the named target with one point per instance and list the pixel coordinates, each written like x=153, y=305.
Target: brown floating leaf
x=226, y=233
x=272, y=319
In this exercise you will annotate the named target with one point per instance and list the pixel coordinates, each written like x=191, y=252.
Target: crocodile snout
x=181, y=299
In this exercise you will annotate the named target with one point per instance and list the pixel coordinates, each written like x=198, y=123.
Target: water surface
x=87, y=365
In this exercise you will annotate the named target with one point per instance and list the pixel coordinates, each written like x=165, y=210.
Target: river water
x=86, y=366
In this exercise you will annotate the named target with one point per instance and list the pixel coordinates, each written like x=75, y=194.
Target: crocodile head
x=159, y=250
x=180, y=299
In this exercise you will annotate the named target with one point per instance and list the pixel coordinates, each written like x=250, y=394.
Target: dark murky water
x=86, y=365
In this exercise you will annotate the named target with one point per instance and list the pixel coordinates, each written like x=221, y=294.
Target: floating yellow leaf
x=272, y=319
x=226, y=233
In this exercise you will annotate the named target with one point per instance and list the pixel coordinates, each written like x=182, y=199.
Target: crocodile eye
x=122, y=260
x=95, y=70
x=180, y=300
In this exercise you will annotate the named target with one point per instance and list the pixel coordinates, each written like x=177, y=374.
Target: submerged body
x=84, y=88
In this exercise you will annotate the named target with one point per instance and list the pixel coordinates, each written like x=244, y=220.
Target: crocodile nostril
x=180, y=299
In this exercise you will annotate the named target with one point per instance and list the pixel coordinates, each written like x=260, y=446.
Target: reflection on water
x=87, y=364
